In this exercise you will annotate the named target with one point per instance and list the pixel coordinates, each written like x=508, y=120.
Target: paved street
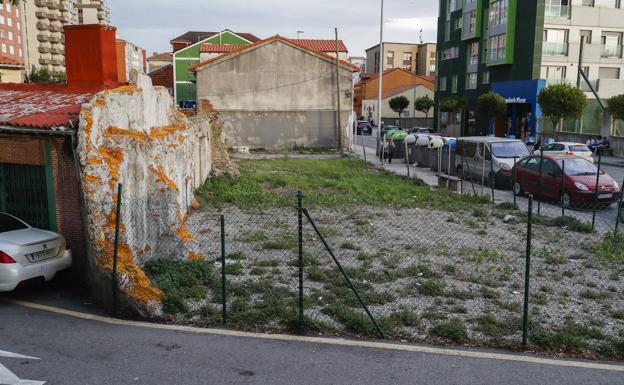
x=605, y=219
x=79, y=351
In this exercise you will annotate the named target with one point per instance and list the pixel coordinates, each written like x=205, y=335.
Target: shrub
x=453, y=330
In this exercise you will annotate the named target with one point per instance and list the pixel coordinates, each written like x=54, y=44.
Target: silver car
x=28, y=253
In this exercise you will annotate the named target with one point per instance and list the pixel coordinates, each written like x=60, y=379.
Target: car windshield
x=578, y=166
x=8, y=223
x=510, y=149
x=580, y=148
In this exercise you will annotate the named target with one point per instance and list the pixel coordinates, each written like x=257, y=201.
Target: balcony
x=42, y=37
x=44, y=49
x=44, y=62
x=56, y=39
x=557, y=11
x=41, y=3
x=53, y=16
x=611, y=51
x=555, y=49
x=595, y=83
x=41, y=14
x=43, y=25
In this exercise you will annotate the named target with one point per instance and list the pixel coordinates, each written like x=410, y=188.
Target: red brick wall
x=24, y=149
x=163, y=77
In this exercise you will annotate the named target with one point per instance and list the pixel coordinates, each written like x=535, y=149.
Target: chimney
x=91, y=56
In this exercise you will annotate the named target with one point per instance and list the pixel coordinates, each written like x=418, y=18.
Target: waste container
x=411, y=148
x=422, y=154
x=435, y=145
x=398, y=138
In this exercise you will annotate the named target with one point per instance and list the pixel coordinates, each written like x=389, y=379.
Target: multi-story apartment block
x=11, y=24
x=516, y=48
x=44, y=35
x=92, y=12
x=419, y=59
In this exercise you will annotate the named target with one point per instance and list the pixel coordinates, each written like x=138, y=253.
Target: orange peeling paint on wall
x=165, y=131
x=193, y=256
x=113, y=158
x=162, y=177
x=127, y=134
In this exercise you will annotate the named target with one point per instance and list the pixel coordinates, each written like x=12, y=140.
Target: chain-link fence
x=422, y=273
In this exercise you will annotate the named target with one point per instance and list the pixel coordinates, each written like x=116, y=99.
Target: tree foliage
x=616, y=106
x=452, y=104
x=43, y=75
x=562, y=101
x=399, y=104
x=492, y=105
x=424, y=104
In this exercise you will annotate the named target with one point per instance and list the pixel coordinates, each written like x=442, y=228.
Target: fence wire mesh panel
x=430, y=265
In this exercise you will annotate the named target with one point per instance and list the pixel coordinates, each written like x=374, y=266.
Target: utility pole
x=381, y=58
x=580, y=63
x=339, y=128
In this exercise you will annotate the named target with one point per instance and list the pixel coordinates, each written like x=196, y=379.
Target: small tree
x=562, y=101
x=399, y=104
x=616, y=107
x=492, y=105
x=43, y=75
x=424, y=104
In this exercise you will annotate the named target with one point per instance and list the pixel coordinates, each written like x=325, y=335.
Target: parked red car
x=580, y=180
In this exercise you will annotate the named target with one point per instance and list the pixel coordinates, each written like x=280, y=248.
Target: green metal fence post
x=115, y=252
x=492, y=177
x=596, y=191
x=527, y=274
x=541, y=183
x=563, y=187
x=223, y=277
x=513, y=182
x=619, y=214
x=300, y=224
x=344, y=273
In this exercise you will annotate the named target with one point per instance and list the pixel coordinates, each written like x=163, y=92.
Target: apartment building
x=92, y=12
x=419, y=59
x=131, y=60
x=11, y=24
x=516, y=48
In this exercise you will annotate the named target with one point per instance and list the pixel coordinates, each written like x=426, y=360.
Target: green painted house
x=193, y=47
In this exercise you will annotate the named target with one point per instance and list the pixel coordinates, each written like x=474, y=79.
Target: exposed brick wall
x=163, y=77
x=21, y=149
x=68, y=212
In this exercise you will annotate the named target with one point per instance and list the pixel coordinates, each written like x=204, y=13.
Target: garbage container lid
x=410, y=139
x=399, y=135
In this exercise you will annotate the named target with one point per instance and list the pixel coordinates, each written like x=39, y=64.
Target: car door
x=528, y=175
x=551, y=179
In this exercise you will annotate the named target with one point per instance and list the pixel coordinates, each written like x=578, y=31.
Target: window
x=8, y=223
x=10, y=36
x=21, y=53
x=390, y=58
x=473, y=53
x=587, y=3
x=555, y=42
x=1, y=19
x=471, y=81
x=10, y=22
x=450, y=53
x=557, y=8
x=497, y=51
x=442, y=83
x=609, y=73
x=554, y=74
x=611, y=44
x=4, y=49
x=498, y=12
x=587, y=34
x=407, y=57
x=486, y=77
x=454, y=84
x=11, y=50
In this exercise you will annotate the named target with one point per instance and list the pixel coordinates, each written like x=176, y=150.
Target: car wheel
x=517, y=188
x=567, y=200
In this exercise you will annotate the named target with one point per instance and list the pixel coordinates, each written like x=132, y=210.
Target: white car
x=568, y=148
x=28, y=253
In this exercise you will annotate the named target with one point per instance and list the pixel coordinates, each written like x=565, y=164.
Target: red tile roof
x=5, y=60
x=221, y=48
x=269, y=40
x=165, y=56
x=41, y=106
x=321, y=45
x=193, y=37
x=426, y=81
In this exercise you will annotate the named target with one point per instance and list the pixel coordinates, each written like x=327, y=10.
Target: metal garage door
x=24, y=193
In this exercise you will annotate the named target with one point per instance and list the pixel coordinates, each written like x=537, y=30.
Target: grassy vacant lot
x=326, y=183
x=433, y=266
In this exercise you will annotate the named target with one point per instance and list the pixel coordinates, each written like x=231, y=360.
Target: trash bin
x=422, y=143
x=433, y=150
x=399, y=146
x=411, y=148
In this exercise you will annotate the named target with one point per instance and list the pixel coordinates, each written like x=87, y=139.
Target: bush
x=431, y=287
x=453, y=330
x=611, y=247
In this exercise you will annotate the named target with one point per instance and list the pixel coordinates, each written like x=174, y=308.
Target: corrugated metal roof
x=41, y=106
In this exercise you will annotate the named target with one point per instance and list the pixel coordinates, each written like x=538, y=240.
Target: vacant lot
x=431, y=265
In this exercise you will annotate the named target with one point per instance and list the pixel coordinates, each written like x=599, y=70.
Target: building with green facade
x=518, y=47
x=193, y=47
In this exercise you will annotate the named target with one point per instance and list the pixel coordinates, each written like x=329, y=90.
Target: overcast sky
x=152, y=23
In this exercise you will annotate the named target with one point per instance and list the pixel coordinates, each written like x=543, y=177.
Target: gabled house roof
x=247, y=48
x=399, y=90
x=193, y=37
x=41, y=106
x=321, y=45
x=165, y=56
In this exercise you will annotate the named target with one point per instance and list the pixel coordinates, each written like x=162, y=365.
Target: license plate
x=41, y=255
x=605, y=196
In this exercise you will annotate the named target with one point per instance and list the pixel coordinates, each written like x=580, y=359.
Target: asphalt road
x=605, y=219
x=85, y=352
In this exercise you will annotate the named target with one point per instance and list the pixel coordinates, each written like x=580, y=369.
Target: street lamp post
x=381, y=58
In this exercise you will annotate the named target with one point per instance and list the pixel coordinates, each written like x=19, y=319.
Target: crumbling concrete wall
x=133, y=135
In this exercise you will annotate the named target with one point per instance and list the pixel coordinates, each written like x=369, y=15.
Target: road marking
x=328, y=341
x=8, y=378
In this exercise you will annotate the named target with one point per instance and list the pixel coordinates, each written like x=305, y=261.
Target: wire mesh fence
x=423, y=272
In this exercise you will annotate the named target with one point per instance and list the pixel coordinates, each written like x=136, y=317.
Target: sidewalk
x=398, y=167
